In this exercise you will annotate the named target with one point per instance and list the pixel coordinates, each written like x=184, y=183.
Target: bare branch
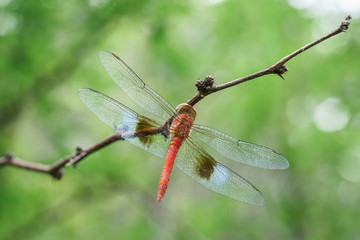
x=205, y=87
x=55, y=169
x=9, y=159
x=278, y=68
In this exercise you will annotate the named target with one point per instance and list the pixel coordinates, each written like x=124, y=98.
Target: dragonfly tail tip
x=159, y=197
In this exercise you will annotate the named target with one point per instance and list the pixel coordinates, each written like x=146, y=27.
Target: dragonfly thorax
x=187, y=110
x=183, y=121
x=181, y=126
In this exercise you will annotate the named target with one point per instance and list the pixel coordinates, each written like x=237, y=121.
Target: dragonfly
x=176, y=138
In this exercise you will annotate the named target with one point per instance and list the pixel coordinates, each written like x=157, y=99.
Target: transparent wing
x=191, y=158
x=200, y=166
x=134, y=87
x=124, y=120
x=240, y=151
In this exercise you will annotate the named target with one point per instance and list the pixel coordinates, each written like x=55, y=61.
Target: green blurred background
x=48, y=50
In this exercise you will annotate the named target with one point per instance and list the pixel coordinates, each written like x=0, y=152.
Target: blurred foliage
x=49, y=50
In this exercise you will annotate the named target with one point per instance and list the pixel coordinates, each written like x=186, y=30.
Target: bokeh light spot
x=331, y=115
x=8, y=22
x=350, y=165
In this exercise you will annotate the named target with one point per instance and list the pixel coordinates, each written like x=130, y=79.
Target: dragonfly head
x=186, y=109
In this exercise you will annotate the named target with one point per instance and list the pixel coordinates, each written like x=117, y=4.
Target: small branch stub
x=345, y=25
x=56, y=173
x=205, y=86
x=8, y=157
x=281, y=70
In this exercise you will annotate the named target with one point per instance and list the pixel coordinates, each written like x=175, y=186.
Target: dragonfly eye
x=186, y=109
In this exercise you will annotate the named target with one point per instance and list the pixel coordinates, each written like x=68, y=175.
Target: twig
x=205, y=87
x=55, y=169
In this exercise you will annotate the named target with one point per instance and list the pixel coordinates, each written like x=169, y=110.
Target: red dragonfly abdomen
x=179, y=130
x=168, y=165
